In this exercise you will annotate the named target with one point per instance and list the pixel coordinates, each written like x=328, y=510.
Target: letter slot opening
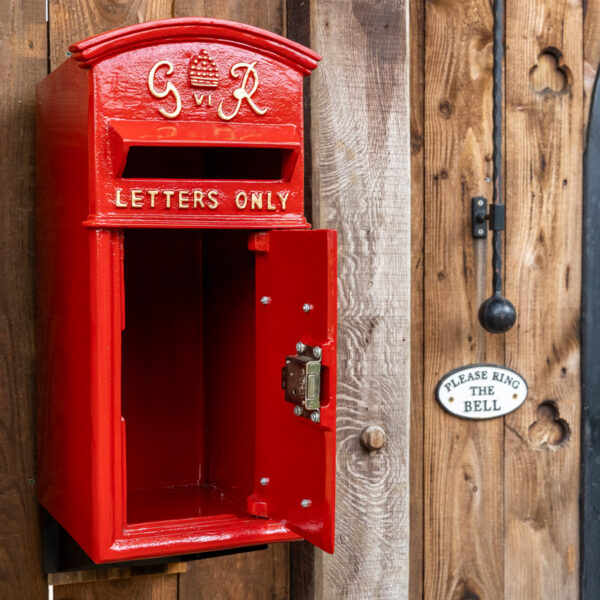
x=208, y=163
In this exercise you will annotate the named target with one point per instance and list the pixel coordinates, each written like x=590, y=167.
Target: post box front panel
x=201, y=133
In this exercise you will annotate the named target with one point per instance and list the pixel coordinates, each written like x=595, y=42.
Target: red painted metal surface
x=294, y=269
x=163, y=428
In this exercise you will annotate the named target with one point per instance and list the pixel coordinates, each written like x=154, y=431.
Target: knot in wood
x=372, y=437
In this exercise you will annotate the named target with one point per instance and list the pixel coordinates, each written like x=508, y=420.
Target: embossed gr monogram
x=242, y=94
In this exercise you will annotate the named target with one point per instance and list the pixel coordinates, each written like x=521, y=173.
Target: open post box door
x=295, y=383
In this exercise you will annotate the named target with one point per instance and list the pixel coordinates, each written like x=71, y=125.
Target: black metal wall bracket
x=479, y=215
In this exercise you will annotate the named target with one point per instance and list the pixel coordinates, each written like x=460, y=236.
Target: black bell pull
x=496, y=314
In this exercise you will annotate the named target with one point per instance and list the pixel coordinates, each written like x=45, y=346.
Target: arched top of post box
x=104, y=45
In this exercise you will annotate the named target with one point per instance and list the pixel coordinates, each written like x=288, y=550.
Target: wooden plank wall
x=462, y=459
x=417, y=210
x=361, y=187
x=500, y=498
x=544, y=189
x=23, y=57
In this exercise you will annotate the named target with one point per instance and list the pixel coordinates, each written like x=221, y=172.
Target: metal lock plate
x=301, y=378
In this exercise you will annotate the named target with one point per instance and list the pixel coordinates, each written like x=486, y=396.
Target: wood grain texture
x=417, y=300
x=268, y=14
x=89, y=575
x=262, y=575
x=463, y=460
x=23, y=63
x=543, y=177
x=361, y=187
x=305, y=571
x=151, y=587
x=74, y=20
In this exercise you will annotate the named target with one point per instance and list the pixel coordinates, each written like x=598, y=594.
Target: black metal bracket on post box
x=479, y=215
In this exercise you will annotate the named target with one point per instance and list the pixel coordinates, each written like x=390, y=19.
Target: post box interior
x=188, y=373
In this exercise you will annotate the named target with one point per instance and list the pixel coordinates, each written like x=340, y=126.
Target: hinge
x=479, y=215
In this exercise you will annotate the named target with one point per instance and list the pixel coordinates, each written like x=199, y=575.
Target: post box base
x=61, y=553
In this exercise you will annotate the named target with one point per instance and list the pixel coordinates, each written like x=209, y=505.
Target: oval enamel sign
x=481, y=391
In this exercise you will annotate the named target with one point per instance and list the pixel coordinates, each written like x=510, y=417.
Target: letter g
x=169, y=89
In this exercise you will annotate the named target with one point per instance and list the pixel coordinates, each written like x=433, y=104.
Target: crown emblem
x=203, y=71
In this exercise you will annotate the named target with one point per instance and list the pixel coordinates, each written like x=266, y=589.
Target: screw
x=479, y=202
x=315, y=416
x=480, y=232
x=265, y=300
x=300, y=347
x=305, y=503
x=372, y=437
x=307, y=307
x=264, y=481
x=488, y=179
x=317, y=352
x=31, y=481
x=298, y=410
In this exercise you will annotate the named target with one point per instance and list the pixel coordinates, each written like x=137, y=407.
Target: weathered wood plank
x=89, y=575
x=268, y=14
x=151, y=587
x=361, y=187
x=262, y=575
x=463, y=460
x=543, y=182
x=417, y=300
x=590, y=482
x=23, y=63
x=71, y=21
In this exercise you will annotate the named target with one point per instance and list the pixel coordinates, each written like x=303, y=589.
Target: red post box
x=187, y=314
